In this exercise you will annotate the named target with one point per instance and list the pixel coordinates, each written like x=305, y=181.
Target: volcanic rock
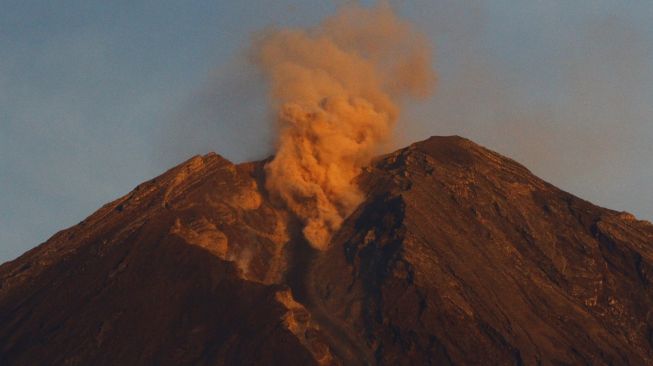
x=458, y=255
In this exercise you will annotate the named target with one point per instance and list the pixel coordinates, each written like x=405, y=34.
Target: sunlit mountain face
x=455, y=255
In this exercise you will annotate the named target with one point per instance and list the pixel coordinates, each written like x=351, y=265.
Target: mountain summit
x=457, y=255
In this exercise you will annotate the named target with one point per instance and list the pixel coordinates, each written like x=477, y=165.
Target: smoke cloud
x=337, y=89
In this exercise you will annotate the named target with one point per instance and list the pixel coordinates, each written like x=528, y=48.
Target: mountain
x=458, y=255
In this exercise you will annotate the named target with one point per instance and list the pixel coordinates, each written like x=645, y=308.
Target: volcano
x=457, y=255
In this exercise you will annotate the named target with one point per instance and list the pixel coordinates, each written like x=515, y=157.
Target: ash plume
x=337, y=89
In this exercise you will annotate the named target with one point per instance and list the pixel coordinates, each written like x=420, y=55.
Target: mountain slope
x=460, y=255
x=457, y=256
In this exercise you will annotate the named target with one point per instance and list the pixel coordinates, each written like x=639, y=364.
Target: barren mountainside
x=458, y=255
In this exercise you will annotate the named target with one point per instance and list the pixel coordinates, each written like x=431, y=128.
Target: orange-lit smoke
x=337, y=88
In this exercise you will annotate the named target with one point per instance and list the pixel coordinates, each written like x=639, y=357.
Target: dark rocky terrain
x=457, y=256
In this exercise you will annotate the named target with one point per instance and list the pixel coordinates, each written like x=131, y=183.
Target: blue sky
x=98, y=96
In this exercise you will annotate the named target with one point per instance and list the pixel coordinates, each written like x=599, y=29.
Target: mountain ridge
x=489, y=261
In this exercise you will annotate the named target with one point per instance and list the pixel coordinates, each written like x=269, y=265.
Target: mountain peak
x=457, y=255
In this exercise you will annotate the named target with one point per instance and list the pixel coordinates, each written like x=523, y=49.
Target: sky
x=97, y=96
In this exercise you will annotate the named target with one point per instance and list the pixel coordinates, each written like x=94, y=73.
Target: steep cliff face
x=457, y=256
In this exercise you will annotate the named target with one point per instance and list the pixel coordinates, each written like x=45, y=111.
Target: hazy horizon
x=96, y=98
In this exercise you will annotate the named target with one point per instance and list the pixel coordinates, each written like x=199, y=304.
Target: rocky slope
x=457, y=256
